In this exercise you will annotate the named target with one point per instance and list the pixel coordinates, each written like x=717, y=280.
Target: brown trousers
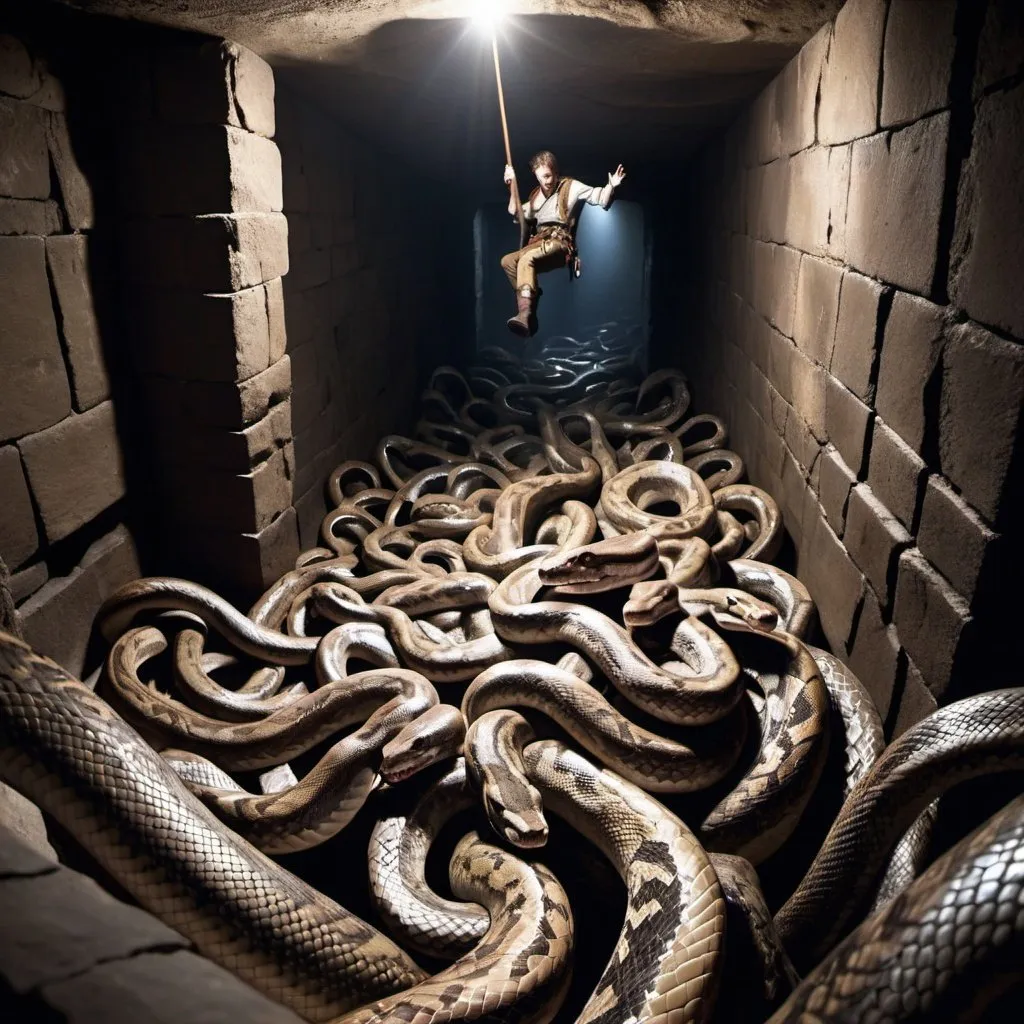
x=537, y=256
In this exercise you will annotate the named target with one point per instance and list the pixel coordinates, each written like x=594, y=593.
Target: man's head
x=545, y=167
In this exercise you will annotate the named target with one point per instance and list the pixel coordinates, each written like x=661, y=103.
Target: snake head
x=437, y=734
x=524, y=825
x=650, y=601
x=755, y=613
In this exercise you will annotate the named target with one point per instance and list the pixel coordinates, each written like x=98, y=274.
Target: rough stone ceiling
x=598, y=81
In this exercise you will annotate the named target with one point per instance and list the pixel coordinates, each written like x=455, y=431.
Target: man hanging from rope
x=551, y=212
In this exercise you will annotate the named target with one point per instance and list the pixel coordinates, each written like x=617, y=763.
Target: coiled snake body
x=65, y=749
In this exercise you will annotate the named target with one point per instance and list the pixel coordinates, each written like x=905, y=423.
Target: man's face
x=546, y=177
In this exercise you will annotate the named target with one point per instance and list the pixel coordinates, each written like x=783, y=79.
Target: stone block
x=809, y=394
x=847, y=421
x=216, y=337
x=765, y=124
x=215, y=82
x=801, y=442
x=58, y=618
x=874, y=539
x=918, y=59
x=251, y=560
x=74, y=469
x=50, y=94
x=874, y=653
x=911, y=350
x=75, y=190
x=233, y=451
x=833, y=580
x=67, y=924
x=19, y=74
x=955, y=539
x=781, y=355
x=933, y=621
x=276, y=325
x=895, y=473
x=160, y=988
x=897, y=182
x=68, y=260
x=24, y=848
x=988, y=241
x=779, y=412
x=29, y=217
x=980, y=414
x=313, y=268
x=19, y=539
x=321, y=231
x=853, y=356
x=816, y=211
x=310, y=509
x=807, y=210
x=769, y=209
x=246, y=502
x=211, y=253
x=849, y=79
x=840, y=160
x=27, y=581
x=185, y=170
x=835, y=481
x=1001, y=46
x=916, y=702
x=253, y=91
x=792, y=498
x=797, y=89
x=24, y=165
x=817, y=309
x=295, y=187
x=34, y=389
x=345, y=259
x=785, y=267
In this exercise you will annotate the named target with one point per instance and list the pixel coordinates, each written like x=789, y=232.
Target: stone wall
x=203, y=248
x=62, y=480
x=379, y=292
x=848, y=298
x=162, y=188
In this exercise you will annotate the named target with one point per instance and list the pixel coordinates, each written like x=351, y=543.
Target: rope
x=10, y=621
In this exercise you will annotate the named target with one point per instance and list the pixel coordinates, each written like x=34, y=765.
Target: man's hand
x=510, y=174
x=616, y=178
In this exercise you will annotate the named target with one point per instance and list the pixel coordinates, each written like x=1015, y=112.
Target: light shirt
x=546, y=210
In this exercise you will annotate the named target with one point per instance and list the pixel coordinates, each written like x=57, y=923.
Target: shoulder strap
x=533, y=195
x=564, y=187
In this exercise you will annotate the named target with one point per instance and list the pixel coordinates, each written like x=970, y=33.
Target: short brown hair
x=544, y=157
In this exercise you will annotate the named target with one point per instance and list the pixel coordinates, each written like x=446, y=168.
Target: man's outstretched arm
x=615, y=179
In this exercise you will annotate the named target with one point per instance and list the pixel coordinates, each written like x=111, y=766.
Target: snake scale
x=562, y=540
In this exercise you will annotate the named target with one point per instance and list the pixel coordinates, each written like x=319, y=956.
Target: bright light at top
x=488, y=13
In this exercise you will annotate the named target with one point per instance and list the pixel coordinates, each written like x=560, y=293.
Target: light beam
x=488, y=14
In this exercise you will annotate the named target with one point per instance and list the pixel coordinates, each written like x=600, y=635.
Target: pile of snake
x=558, y=597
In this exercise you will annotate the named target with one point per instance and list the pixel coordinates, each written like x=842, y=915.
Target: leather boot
x=523, y=323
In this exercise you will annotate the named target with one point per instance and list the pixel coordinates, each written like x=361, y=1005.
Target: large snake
x=944, y=949
x=975, y=736
x=64, y=748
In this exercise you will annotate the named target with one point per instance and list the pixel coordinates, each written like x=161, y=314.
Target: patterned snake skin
x=941, y=951
x=976, y=736
x=522, y=958
x=664, y=969
x=65, y=749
